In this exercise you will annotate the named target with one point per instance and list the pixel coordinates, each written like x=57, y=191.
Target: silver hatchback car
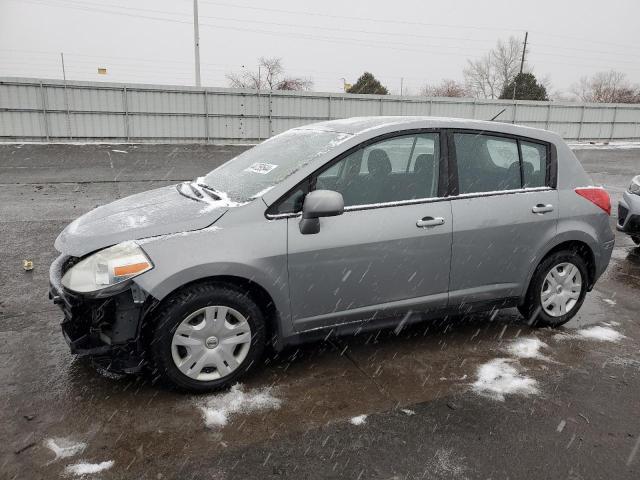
x=331, y=228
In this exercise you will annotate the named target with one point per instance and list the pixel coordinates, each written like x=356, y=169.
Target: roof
x=358, y=125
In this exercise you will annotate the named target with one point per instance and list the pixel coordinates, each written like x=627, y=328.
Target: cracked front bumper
x=108, y=330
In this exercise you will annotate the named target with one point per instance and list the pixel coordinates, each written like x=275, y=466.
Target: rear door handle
x=542, y=208
x=429, y=222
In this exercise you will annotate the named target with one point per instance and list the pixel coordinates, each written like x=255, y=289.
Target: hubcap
x=561, y=289
x=211, y=343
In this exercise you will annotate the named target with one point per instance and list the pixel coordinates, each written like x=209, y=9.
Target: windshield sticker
x=261, y=168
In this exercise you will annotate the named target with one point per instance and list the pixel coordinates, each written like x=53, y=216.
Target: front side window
x=486, y=163
x=396, y=169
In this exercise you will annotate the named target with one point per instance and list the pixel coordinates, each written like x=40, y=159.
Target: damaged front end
x=105, y=327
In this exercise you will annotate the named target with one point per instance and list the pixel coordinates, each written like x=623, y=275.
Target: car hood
x=160, y=211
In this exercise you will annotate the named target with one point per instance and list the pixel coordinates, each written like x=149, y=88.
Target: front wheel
x=635, y=239
x=557, y=290
x=206, y=337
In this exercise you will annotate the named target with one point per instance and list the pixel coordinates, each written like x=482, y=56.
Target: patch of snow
x=609, y=301
x=212, y=204
x=561, y=426
x=445, y=464
x=359, y=420
x=407, y=411
x=601, y=334
x=527, y=348
x=217, y=409
x=120, y=151
x=500, y=377
x=605, y=146
x=64, y=447
x=81, y=469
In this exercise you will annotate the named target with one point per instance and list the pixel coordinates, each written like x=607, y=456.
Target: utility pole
x=64, y=74
x=401, y=85
x=66, y=96
x=196, y=40
x=524, y=51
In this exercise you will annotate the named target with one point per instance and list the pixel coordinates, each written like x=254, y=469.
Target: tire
x=552, y=315
x=192, y=350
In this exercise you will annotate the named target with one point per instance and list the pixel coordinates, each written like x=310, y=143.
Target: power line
x=338, y=40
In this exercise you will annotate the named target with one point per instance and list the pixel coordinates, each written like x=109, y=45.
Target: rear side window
x=488, y=163
x=534, y=163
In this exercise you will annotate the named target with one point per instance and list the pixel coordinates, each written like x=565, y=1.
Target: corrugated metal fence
x=51, y=110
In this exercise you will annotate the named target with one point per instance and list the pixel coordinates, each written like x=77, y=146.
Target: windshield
x=258, y=169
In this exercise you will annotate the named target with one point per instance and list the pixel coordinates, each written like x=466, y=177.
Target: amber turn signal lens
x=132, y=269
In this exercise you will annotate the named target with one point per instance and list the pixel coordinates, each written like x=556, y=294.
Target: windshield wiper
x=209, y=191
x=194, y=195
x=195, y=191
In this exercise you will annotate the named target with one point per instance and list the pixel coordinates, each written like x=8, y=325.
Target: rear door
x=390, y=250
x=504, y=211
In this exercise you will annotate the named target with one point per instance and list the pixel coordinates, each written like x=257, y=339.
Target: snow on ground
x=217, y=409
x=602, y=334
x=604, y=146
x=407, y=411
x=527, y=348
x=446, y=464
x=64, y=447
x=609, y=301
x=597, y=332
x=359, y=420
x=500, y=377
x=120, y=151
x=81, y=469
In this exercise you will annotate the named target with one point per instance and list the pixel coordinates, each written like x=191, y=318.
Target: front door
x=389, y=252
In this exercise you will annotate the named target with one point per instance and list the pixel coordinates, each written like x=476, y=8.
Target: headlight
x=107, y=268
x=635, y=185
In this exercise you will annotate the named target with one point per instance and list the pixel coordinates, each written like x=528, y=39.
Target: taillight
x=596, y=195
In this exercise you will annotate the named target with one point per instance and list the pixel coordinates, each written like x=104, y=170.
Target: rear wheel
x=557, y=290
x=207, y=337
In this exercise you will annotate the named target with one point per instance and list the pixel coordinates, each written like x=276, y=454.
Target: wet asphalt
x=423, y=417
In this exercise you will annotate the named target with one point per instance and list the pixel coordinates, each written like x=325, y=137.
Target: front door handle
x=542, y=208
x=429, y=222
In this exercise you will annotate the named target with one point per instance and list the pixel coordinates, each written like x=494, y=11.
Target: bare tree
x=486, y=77
x=270, y=76
x=606, y=87
x=446, y=88
x=481, y=78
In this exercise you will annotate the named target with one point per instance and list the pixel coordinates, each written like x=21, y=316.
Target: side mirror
x=319, y=203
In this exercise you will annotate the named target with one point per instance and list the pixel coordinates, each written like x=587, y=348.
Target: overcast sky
x=151, y=41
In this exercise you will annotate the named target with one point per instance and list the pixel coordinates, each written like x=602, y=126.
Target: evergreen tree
x=527, y=88
x=367, y=83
